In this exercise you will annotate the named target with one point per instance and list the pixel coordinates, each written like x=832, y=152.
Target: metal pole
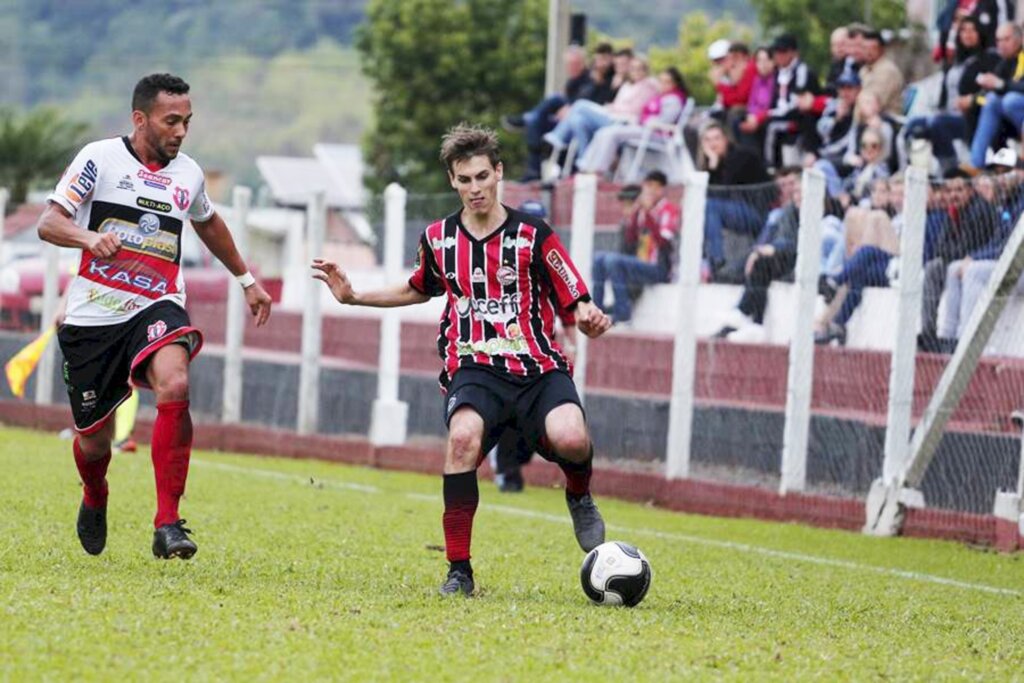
x=800, y=380
x=309, y=371
x=904, y=354
x=558, y=40
x=4, y=197
x=684, y=350
x=389, y=420
x=584, y=214
x=232, y=399
x=51, y=294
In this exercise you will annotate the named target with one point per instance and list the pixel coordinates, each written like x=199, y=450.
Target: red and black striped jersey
x=504, y=293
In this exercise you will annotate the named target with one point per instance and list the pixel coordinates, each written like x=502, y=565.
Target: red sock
x=94, y=477
x=171, y=447
x=577, y=475
x=461, y=496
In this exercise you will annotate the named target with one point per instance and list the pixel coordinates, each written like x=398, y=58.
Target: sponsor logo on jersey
x=154, y=180
x=513, y=331
x=498, y=346
x=82, y=183
x=126, y=184
x=145, y=237
x=181, y=198
x=478, y=275
x=489, y=310
x=517, y=243
x=148, y=223
x=563, y=271
x=506, y=275
x=156, y=330
x=139, y=277
x=445, y=243
x=111, y=302
x=153, y=205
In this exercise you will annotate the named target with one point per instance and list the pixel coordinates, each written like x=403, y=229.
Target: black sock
x=462, y=565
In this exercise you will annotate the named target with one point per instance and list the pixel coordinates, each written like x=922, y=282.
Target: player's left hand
x=259, y=303
x=591, y=320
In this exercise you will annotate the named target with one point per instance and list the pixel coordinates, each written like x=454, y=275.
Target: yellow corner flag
x=20, y=367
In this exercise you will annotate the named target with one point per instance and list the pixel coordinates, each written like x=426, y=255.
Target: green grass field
x=308, y=570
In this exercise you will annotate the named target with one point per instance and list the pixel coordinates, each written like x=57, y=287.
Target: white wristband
x=246, y=279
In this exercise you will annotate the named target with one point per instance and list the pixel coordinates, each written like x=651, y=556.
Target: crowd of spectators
x=772, y=118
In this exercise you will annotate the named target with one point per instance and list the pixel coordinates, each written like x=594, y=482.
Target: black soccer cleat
x=458, y=581
x=170, y=541
x=92, y=528
x=587, y=522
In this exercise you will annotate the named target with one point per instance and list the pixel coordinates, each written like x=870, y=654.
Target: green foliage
x=690, y=55
x=655, y=22
x=812, y=21
x=311, y=571
x=434, y=63
x=35, y=146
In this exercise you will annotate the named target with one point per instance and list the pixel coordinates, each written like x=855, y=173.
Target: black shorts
x=510, y=403
x=101, y=361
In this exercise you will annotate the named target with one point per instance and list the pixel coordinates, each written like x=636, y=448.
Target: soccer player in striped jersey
x=504, y=274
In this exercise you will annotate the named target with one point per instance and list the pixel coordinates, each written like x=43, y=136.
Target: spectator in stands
x=620, y=69
x=843, y=61
x=792, y=77
x=966, y=278
x=880, y=75
x=543, y=117
x=988, y=14
x=729, y=209
x=585, y=118
x=772, y=258
x=749, y=132
x=957, y=107
x=733, y=76
x=968, y=224
x=662, y=111
x=873, y=236
x=870, y=165
x=1004, y=94
x=647, y=256
x=602, y=71
x=834, y=133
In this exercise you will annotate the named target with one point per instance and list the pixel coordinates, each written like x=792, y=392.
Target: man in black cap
x=793, y=77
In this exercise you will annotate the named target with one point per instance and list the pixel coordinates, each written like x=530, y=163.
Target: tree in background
x=34, y=147
x=690, y=55
x=812, y=21
x=435, y=63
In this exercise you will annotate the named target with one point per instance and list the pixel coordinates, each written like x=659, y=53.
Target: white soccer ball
x=615, y=573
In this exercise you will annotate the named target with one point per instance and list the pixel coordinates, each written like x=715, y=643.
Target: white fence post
x=581, y=250
x=51, y=294
x=309, y=371
x=901, y=369
x=389, y=421
x=684, y=349
x=800, y=380
x=231, y=410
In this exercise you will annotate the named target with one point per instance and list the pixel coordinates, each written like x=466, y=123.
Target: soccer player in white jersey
x=505, y=276
x=125, y=202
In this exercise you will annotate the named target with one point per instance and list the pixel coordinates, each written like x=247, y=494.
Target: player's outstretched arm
x=334, y=277
x=56, y=227
x=591, y=320
x=215, y=235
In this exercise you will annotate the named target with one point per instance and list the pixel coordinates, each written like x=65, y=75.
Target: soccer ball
x=615, y=573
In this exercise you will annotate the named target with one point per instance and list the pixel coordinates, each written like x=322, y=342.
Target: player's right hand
x=335, y=279
x=103, y=245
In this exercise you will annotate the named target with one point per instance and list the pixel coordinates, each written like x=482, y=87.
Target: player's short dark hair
x=788, y=171
x=604, y=49
x=740, y=49
x=147, y=89
x=656, y=177
x=466, y=141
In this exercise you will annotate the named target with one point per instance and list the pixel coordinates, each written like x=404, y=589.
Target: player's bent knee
x=97, y=445
x=572, y=445
x=173, y=387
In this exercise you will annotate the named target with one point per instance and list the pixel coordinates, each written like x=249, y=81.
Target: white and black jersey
x=107, y=188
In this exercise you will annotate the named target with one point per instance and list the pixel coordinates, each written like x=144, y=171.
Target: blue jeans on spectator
x=997, y=108
x=866, y=268
x=540, y=120
x=585, y=118
x=833, y=246
x=942, y=130
x=623, y=270
x=833, y=182
x=726, y=214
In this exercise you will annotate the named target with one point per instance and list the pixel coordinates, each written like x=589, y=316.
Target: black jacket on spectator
x=576, y=88
x=973, y=229
x=1005, y=70
x=739, y=166
x=797, y=78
